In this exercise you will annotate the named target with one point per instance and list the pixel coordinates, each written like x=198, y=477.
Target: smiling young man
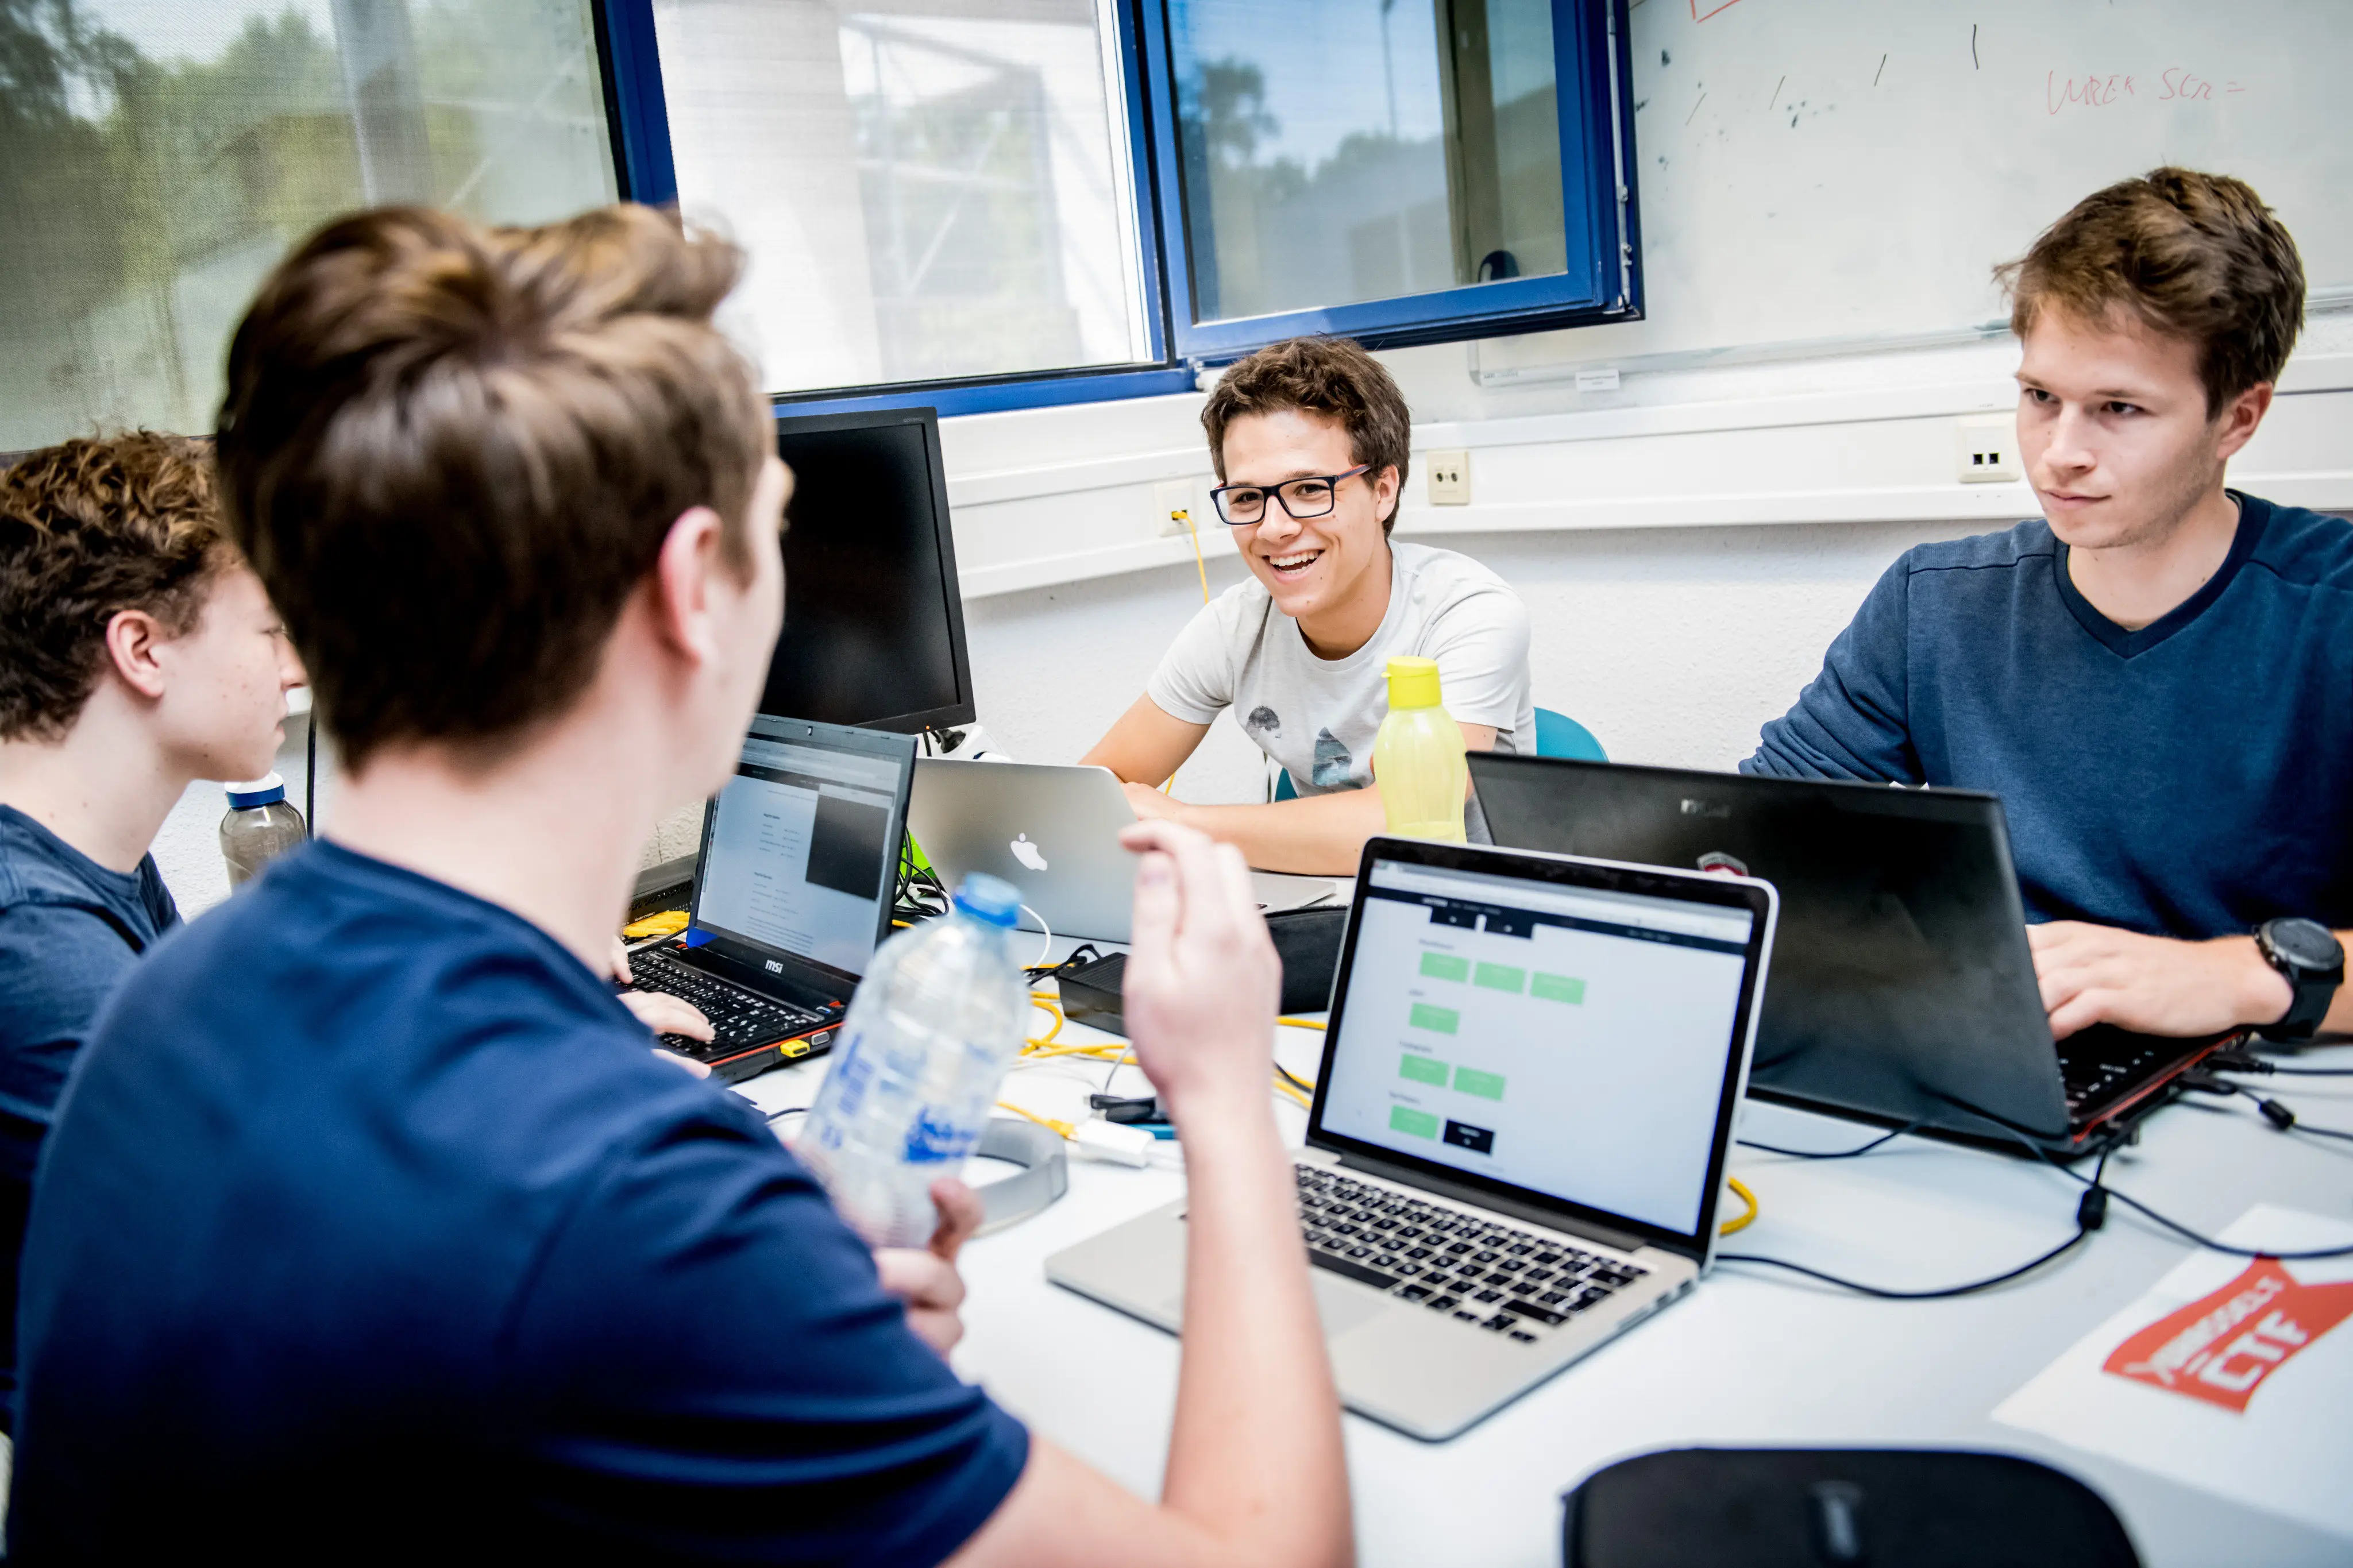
x=138, y=654
x=2157, y=675
x=370, y=1230
x=1310, y=439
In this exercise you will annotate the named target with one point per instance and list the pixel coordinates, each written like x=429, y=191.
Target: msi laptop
x=1518, y=1137
x=792, y=892
x=1053, y=832
x=1903, y=991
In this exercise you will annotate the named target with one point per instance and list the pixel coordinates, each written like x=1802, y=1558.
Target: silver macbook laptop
x=1053, y=832
x=1517, y=1145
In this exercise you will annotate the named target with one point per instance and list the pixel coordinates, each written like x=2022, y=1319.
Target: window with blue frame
x=1397, y=170
x=972, y=204
x=994, y=203
x=928, y=191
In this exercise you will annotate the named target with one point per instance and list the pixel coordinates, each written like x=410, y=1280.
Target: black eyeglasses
x=1242, y=505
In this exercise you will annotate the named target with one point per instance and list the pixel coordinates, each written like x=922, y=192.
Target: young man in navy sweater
x=138, y=654
x=2157, y=675
x=369, y=1228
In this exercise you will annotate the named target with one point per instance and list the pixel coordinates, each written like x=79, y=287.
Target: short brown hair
x=1320, y=375
x=88, y=529
x=2193, y=255
x=452, y=452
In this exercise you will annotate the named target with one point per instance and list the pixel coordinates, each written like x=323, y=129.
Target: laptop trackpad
x=1343, y=1308
x=1340, y=1308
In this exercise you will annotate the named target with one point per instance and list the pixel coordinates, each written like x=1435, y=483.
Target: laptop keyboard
x=740, y=1019
x=2098, y=1063
x=1506, y=1280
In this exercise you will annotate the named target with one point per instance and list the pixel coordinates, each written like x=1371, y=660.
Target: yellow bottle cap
x=1413, y=683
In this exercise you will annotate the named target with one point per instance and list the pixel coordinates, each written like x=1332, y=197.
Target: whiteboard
x=1838, y=169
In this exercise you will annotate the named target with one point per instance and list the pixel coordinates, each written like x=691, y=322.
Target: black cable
x=2091, y=1213
x=2325, y=1131
x=2097, y=1183
x=1301, y=1084
x=1086, y=952
x=1835, y=1153
x=788, y=1111
x=1886, y=1295
x=2246, y=1062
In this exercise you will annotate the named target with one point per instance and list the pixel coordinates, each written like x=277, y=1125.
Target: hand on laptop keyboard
x=663, y=1014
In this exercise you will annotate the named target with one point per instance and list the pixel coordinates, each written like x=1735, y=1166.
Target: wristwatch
x=2311, y=958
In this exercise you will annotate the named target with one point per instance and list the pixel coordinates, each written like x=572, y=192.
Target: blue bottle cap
x=268, y=790
x=990, y=899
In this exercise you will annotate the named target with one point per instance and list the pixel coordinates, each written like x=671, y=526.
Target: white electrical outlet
x=1985, y=449
x=1450, y=478
x=1172, y=502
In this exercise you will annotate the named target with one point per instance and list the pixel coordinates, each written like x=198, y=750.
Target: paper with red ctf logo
x=2230, y=1374
x=2220, y=1347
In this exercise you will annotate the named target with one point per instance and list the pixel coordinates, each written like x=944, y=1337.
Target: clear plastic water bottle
x=261, y=826
x=936, y=1023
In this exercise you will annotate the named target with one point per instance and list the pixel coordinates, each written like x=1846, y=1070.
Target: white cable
x=1049, y=947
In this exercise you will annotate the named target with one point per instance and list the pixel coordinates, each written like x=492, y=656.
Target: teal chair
x=1558, y=735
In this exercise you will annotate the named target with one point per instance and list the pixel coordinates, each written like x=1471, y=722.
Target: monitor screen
x=1570, y=1041
x=798, y=853
x=873, y=617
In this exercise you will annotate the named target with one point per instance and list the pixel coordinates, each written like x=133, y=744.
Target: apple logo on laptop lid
x=1027, y=852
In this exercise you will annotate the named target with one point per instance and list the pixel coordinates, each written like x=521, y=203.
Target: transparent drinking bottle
x=261, y=826
x=915, y=1071
x=1417, y=763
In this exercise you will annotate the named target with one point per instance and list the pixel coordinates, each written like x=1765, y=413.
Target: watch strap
x=2315, y=991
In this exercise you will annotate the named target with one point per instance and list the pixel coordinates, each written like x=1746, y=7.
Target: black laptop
x=1901, y=991
x=792, y=892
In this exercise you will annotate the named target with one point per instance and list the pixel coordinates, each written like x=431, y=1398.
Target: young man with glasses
x=1309, y=440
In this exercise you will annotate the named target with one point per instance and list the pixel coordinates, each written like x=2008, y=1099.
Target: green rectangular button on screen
x=1440, y=1020
x=1418, y=1123
x=1485, y=1085
x=1559, y=988
x=1421, y=1069
x=1445, y=967
x=1503, y=977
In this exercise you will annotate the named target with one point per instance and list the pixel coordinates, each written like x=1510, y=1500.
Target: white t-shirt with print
x=1317, y=717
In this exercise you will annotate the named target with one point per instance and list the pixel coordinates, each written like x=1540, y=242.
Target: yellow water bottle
x=1417, y=763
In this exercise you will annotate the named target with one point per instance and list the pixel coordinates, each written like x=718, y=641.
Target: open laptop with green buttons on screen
x=1517, y=1142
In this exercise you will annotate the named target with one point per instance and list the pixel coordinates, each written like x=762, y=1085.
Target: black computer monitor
x=873, y=617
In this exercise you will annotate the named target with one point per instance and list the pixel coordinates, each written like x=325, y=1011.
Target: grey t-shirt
x=1317, y=717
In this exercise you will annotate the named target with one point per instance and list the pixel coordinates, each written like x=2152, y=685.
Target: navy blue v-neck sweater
x=2190, y=779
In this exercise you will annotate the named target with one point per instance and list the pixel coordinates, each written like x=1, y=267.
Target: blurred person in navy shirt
x=369, y=1228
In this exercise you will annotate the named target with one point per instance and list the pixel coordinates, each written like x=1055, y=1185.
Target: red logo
x=2221, y=1347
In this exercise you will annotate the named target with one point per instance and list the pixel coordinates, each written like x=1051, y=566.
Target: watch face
x=2308, y=944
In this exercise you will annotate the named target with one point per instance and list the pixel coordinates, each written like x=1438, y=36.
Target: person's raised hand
x=2152, y=985
x=1203, y=981
x=925, y=1277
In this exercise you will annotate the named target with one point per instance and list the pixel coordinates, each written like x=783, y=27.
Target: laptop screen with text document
x=798, y=854
x=1571, y=1041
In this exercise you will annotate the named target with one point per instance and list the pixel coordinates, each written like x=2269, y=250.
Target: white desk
x=1752, y=1358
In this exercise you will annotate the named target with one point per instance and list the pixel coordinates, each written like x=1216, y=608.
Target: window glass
x=1335, y=151
x=157, y=157
x=932, y=191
